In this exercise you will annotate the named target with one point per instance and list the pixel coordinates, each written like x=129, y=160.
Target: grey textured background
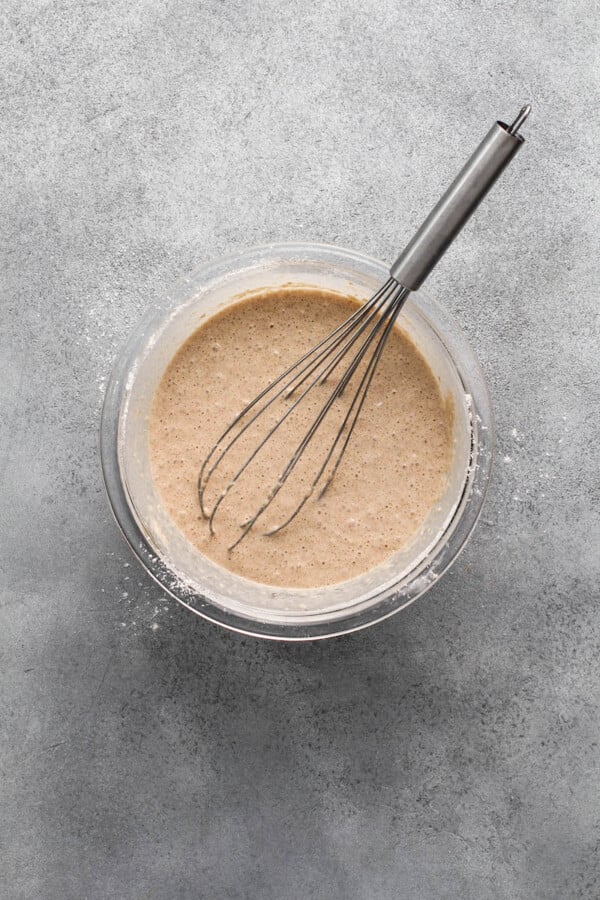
x=451, y=752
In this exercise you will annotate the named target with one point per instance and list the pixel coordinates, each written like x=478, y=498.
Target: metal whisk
x=359, y=340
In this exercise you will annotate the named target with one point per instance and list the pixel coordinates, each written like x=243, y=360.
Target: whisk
x=358, y=342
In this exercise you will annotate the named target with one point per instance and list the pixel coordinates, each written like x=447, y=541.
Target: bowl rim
x=420, y=580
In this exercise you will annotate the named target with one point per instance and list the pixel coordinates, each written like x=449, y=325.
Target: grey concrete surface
x=451, y=752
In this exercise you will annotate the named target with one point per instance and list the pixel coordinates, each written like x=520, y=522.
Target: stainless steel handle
x=458, y=203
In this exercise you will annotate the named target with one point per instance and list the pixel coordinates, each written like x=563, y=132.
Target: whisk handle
x=458, y=203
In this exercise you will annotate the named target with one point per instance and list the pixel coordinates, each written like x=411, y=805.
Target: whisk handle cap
x=459, y=202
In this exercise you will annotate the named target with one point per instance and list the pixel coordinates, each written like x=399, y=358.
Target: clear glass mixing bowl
x=201, y=585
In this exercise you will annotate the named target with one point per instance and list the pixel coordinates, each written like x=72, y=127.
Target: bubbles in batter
x=393, y=472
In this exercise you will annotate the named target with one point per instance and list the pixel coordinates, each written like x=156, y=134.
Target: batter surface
x=393, y=472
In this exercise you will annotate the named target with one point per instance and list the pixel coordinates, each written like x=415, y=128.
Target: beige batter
x=393, y=472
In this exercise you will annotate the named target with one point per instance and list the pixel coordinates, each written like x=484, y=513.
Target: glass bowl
x=230, y=600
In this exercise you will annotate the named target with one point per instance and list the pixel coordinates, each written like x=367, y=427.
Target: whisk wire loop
x=388, y=316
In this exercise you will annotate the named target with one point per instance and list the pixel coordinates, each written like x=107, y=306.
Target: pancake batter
x=393, y=472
